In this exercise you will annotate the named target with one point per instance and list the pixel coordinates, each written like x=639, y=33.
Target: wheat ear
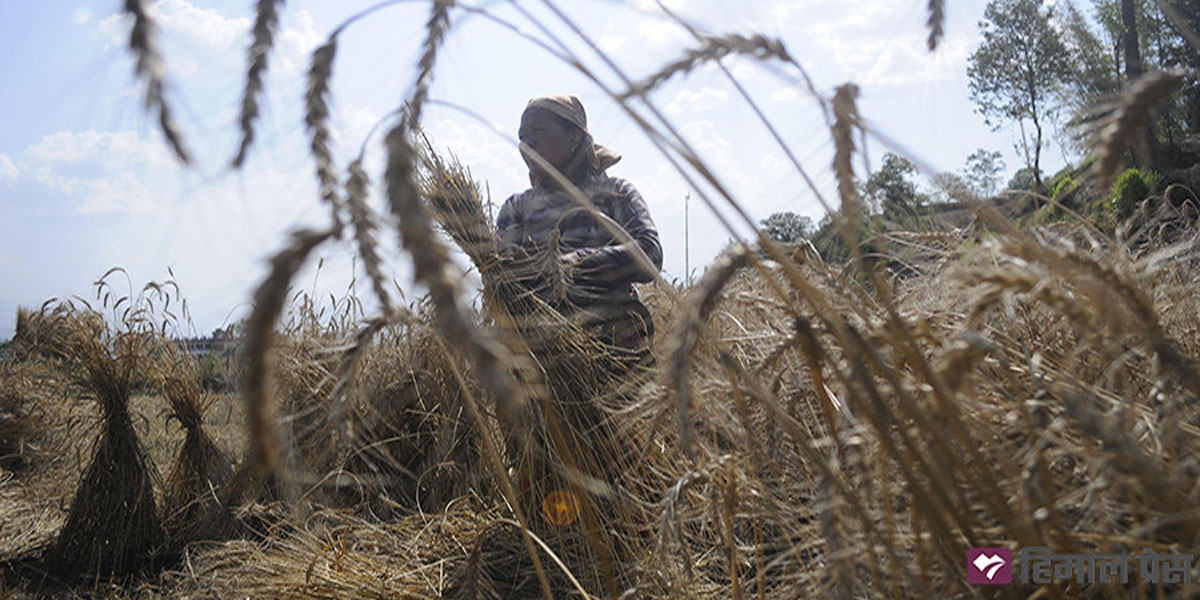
x=1130, y=115
x=711, y=48
x=266, y=21
x=363, y=219
x=700, y=303
x=149, y=65
x=260, y=334
x=936, y=23
x=316, y=120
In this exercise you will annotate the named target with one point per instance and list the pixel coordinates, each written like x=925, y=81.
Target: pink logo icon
x=989, y=566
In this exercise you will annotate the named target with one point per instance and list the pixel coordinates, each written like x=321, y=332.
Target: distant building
x=220, y=341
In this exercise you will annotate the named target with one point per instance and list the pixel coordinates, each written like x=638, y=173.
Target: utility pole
x=687, y=267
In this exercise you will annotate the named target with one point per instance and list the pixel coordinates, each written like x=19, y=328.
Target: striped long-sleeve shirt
x=605, y=266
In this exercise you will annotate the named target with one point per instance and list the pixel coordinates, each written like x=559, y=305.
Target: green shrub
x=1064, y=186
x=216, y=374
x=1131, y=188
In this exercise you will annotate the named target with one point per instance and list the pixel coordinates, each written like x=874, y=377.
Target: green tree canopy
x=1017, y=69
x=788, y=227
x=892, y=189
x=982, y=173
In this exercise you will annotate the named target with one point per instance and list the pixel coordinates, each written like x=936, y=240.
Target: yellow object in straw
x=560, y=508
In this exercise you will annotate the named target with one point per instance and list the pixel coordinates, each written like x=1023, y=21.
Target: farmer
x=598, y=271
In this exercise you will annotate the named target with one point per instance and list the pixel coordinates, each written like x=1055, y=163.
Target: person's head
x=552, y=137
x=555, y=127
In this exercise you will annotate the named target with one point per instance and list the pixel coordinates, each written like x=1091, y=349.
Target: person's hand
x=511, y=252
x=569, y=261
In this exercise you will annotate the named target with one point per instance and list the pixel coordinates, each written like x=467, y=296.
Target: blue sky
x=86, y=182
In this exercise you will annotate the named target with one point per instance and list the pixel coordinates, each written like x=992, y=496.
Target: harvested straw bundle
x=411, y=442
x=17, y=423
x=40, y=333
x=113, y=527
x=456, y=204
x=201, y=469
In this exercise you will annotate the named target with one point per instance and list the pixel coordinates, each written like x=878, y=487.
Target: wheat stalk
x=845, y=119
x=936, y=22
x=845, y=114
x=1135, y=105
x=701, y=301
x=149, y=65
x=435, y=33
x=266, y=21
x=262, y=457
x=316, y=120
x=431, y=260
x=711, y=48
x=363, y=219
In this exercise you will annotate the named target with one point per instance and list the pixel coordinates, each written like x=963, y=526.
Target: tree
x=787, y=227
x=1015, y=72
x=1140, y=38
x=1097, y=70
x=892, y=189
x=982, y=172
x=1022, y=181
x=950, y=187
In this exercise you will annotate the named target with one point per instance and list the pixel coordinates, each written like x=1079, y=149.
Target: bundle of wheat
x=457, y=205
x=113, y=527
x=39, y=332
x=411, y=442
x=17, y=421
x=201, y=469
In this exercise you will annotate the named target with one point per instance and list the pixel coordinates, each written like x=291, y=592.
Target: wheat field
x=808, y=429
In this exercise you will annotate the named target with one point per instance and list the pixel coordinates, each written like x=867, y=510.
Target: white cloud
x=203, y=25
x=884, y=43
x=120, y=150
x=785, y=95
x=907, y=61
x=703, y=136
x=649, y=5
x=8, y=170
x=611, y=42
x=662, y=32
x=702, y=100
x=120, y=193
x=81, y=16
x=297, y=41
x=214, y=37
x=490, y=158
x=97, y=169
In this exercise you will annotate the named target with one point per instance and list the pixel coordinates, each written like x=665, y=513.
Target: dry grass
x=842, y=432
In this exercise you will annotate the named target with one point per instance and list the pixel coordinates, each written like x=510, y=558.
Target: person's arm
x=508, y=230
x=615, y=264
